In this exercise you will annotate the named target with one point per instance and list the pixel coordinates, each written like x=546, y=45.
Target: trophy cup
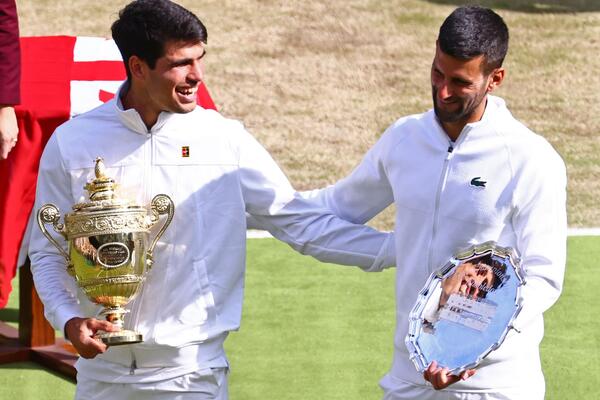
x=466, y=308
x=107, y=247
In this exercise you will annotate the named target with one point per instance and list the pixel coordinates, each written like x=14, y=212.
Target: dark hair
x=498, y=268
x=471, y=31
x=144, y=26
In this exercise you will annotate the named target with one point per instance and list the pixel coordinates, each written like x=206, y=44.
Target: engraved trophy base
x=119, y=338
x=115, y=315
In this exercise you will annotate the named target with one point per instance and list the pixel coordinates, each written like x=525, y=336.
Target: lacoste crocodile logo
x=477, y=182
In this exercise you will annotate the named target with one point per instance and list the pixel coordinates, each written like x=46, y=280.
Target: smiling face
x=459, y=88
x=171, y=85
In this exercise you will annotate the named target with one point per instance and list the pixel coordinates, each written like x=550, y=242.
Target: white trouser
x=206, y=384
x=395, y=389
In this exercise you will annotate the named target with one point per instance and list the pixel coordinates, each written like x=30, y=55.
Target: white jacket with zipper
x=192, y=296
x=442, y=206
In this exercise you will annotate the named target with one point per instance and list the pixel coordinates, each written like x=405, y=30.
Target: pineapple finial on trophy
x=103, y=187
x=100, y=169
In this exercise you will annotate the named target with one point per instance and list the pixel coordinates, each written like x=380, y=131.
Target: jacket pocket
x=188, y=312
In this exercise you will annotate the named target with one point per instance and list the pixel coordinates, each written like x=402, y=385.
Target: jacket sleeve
x=540, y=225
x=307, y=226
x=361, y=195
x=10, y=54
x=56, y=288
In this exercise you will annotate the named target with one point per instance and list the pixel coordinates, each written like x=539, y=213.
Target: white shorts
x=206, y=384
x=396, y=389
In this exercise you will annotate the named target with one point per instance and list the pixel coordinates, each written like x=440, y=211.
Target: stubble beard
x=464, y=112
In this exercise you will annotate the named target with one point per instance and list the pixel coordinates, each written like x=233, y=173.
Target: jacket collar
x=493, y=107
x=133, y=120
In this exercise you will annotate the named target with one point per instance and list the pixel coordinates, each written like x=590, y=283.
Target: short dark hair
x=471, y=31
x=498, y=269
x=144, y=26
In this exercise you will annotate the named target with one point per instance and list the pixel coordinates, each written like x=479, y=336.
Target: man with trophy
x=466, y=173
x=169, y=279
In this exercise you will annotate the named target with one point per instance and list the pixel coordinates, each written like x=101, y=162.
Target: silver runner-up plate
x=466, y=308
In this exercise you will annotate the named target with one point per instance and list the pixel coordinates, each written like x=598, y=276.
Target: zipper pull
x=449, y=153
x=133, y=367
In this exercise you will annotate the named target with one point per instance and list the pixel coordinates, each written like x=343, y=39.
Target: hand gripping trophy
x=107, y=247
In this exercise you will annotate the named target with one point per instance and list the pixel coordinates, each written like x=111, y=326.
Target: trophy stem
x=114, y=315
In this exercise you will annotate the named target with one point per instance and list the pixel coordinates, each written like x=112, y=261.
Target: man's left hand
x=440, y=378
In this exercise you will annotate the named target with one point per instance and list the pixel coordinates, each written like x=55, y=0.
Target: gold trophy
x=108, y=254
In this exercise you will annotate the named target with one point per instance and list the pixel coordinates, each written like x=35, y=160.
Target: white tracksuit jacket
x=193, y=294
x=438, y=212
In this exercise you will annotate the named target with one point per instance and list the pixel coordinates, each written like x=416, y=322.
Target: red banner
x=61, y=76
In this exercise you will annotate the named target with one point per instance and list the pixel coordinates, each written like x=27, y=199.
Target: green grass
x=29, y=381
x=571, y=345
x=310, y=331
x=314, y=331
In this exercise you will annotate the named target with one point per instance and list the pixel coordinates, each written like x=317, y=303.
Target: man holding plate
x=153, y=139
x=462, y=174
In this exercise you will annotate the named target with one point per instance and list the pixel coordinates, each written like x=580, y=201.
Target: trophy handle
x=49, y=214
x=161, y=204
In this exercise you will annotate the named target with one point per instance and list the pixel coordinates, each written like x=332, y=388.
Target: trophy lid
x=101, y=191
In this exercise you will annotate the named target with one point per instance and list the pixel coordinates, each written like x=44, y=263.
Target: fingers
x=92, y=346
x=429, y=372
x=99, y=325
x=472, y=289
x=467, y=374
x=8, y=130
x=88, y=347
x=4, y=150
x=6, y=146
x=441, y=378
x=81, y=331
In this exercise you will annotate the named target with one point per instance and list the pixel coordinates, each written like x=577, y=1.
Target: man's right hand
x=440, y=378
x=81, y=331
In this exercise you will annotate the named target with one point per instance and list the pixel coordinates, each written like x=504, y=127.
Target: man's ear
x=137, y=67
x=495, y=79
